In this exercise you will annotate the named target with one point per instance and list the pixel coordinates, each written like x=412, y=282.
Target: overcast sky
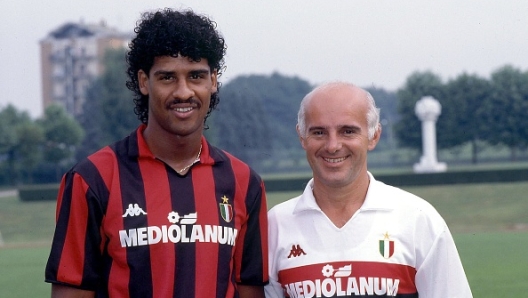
x=367, y=42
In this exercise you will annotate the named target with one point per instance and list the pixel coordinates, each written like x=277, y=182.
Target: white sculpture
x=428, y=109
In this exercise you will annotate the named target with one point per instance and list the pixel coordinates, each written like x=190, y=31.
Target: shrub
x=38, y=192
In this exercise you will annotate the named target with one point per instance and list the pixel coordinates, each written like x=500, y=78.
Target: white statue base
x=429, y=166
x=428, y=109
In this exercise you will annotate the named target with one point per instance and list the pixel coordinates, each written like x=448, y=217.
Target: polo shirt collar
x=376, y=198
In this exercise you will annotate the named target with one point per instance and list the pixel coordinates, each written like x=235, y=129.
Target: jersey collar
x=140, y=148
x=376, y=198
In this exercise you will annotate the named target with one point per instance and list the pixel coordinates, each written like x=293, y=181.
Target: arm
x=250, y=291
x=60, y=291
x=441, y=274
x=251, y=249
x=273, y=289
x=75, y=253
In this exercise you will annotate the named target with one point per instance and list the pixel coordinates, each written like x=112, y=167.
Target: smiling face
x=336, y=135
x=179, y=91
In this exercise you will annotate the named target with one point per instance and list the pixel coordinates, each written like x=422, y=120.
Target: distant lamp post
x=428, y=109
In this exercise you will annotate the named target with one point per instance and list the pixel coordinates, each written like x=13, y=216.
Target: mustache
x=191, y=100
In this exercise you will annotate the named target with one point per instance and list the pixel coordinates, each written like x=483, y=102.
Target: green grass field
x=489, y=223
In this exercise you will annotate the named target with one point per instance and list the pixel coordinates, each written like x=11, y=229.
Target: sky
x=371, y=43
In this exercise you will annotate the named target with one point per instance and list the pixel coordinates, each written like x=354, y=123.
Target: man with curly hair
x=163, y=213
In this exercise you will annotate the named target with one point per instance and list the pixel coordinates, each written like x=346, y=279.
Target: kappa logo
x=386, y=246
x=134, y=210
x=296, y=251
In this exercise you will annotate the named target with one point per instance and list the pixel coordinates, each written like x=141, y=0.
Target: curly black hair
x=171, y=33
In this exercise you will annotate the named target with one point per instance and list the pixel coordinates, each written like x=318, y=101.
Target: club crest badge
x=226, y=210
x=386, y=246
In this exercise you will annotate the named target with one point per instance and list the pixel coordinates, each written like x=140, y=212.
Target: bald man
x=349, y=235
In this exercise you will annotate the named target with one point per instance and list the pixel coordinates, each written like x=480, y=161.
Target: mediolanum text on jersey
x=343, y=287
x=178, y=234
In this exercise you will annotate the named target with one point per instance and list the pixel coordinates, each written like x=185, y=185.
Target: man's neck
x=176, y=151
x=341, y=203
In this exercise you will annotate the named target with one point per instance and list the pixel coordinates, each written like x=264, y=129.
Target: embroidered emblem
x=386, y=246
x=226, y=210
x=134, y=210
x=296, y=251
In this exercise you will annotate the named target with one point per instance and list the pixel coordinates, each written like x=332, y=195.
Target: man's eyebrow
x=316, y=128
x=170, y=72
x=164, y=72
x=351, y=127
x=200, y=71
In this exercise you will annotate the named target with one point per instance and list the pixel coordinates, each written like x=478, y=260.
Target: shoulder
x=104, y=162
x=125, y=150
x=403, y=202
x=397, y=197
x=104, y=156
x=283, y=210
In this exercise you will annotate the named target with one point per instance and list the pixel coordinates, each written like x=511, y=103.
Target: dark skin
x=60, y=291
x=179, y=91
x=173, y=125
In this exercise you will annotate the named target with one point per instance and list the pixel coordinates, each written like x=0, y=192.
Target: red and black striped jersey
x=128, y=225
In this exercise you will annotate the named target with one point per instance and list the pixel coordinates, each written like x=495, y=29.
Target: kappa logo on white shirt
x=134, y=210
x=296, y=251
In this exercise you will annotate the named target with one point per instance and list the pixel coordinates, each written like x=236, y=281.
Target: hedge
x=38, y=192
x=49, y=191
x=412, y=179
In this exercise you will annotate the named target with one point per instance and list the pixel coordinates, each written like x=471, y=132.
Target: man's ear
x=301, y=138
x=143, y=82
x=214, y=79
x=375, y=139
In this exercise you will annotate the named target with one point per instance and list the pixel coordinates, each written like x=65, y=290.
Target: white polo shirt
x=395, y=244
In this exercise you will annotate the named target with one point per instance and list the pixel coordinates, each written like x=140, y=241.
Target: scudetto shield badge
x=386, y=248
x=226, y=211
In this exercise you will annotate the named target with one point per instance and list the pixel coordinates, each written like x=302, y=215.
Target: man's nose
x=183, y=90
x=333, y=143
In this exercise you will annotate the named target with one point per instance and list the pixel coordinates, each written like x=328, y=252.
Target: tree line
x=475, y=110
x=30, y=148
x=256, y=120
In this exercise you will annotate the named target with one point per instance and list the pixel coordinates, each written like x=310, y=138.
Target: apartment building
x=71, y=58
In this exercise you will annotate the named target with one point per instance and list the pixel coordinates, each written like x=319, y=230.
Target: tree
x=464, y=105
x=30, y=142
x=108, y=112
x=408, y=128
x=14, y=128
x=233, y=123
x=62, y=135
x=257, y=116
x=506, y=109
